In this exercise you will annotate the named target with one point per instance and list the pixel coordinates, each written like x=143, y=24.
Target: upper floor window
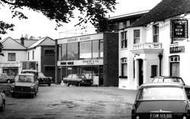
x=49, y=52
x=155, y=33
x=11, y=56
x=32, y=54
x=124, y=39
x=136, y=36
x=123, y=67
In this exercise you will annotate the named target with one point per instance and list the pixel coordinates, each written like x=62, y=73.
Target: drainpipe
x=56, y=57
x=160, y=63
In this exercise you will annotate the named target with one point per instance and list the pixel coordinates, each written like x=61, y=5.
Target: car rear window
x=162, y=93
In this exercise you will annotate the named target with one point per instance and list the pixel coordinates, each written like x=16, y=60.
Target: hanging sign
x=179, y=28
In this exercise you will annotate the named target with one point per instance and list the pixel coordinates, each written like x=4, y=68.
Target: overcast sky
x=38, y=25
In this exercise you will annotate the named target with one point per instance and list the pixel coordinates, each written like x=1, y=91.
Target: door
x=140, y=63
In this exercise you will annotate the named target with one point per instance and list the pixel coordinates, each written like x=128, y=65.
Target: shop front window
x=101, y=48
x=85, y=50
x=72, y=51
x=63, y=52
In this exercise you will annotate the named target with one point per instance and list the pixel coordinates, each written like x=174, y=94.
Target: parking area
x=60, y=101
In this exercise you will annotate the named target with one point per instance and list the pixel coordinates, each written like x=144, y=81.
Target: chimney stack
x=22, y=40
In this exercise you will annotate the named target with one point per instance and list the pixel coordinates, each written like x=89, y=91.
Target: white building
x=156, y=44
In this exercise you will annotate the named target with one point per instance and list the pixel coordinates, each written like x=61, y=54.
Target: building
x=157, y=44
x=43, y=51
x=95, y=54
x=17, y=50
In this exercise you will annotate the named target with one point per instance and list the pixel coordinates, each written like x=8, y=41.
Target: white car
x=2, y=101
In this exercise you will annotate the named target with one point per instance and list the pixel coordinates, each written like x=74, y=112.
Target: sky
x=40, y=26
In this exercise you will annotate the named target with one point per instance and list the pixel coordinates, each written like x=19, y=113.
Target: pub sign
x=179, y=28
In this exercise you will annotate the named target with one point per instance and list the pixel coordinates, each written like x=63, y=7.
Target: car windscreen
x=25, y=78
x=161, y=93
x=175, y=80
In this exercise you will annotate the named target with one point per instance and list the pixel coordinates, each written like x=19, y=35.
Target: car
x=172, y=79
x=44, y=79
x=77, y=79
x=2, y=101
x=25, y=83
x=4, y=78
x=161, y=101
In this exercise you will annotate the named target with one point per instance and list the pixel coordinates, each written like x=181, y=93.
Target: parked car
x=77, y=79
x=44, y=79
x=4, y=78
x=25, y=84
x=2, y=101
x=161, y=101
x=172, y=79
x=40, y=76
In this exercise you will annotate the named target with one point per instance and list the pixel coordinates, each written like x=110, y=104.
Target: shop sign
x=177, y=49
x=92, y=62
x=179, y=28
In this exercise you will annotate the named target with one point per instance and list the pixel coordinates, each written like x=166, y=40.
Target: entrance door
x=140, y=62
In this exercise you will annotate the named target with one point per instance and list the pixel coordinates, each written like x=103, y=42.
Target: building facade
x=157, y=45
x=95, y=54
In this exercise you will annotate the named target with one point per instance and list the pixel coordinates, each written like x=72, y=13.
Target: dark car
x=25, y=84
x=44, y=79
x=172, y=79
x=2, y=101
x=77, y=79
x=4, y=78
x=161, y=101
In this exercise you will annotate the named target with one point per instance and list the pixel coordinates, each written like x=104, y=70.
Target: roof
x=39, y=42
x=164, y=10
x=128, y=16
x=27, y=42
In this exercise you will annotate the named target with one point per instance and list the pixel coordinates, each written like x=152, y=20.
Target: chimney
x=22, y=40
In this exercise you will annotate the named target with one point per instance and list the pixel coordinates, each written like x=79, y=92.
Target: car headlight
x=184, y=117
x=137, y=117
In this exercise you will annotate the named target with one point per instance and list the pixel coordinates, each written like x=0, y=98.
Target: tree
x=93, y=11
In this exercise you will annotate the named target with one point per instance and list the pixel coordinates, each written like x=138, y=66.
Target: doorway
x=140, y=63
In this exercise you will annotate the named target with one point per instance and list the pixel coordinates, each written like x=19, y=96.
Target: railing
x=147, y=46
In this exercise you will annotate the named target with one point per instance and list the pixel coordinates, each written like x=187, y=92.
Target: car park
x=4, y=78
x=161, y=101
x=172, y=79
x=25, y=84
x=77, y=79
x=2, y=101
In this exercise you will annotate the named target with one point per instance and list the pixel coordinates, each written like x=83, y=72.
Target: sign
x=179, y=28
x=177, y=49
x=81, y=62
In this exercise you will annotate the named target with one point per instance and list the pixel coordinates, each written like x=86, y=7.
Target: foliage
x=61, y=11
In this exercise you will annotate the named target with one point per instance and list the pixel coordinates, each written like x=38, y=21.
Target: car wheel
x=49, y=84
x=3, y=107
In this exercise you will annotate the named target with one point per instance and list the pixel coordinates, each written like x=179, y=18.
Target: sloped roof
x=10, y=43
x=164, y=10
x=41, y=42
x=27, y=42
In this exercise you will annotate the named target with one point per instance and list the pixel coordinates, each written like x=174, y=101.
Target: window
x=123, y=68
x=124, y=39
x=155, y=33
x=63, y=51
x=95, y=48
x=136, y=36
x=72, y=51
x=174, y=65
x=49, y=52
x=28, y=55
x=85, y=49
x=101, y=48
x=11, y=56
x=32, y=54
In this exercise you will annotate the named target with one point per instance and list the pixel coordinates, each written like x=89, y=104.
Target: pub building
x=158, y=44
x=93, y=54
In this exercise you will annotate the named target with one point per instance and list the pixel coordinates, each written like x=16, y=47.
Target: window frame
x=155, y=33
x=135, y=38
x=124, y=40
x=12, y=58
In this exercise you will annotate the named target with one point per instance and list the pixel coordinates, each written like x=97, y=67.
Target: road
x=61, y=102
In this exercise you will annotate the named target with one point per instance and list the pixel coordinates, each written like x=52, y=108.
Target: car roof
x=160, y=85
x=31, y=70
x=167, y=77
x=26, y=74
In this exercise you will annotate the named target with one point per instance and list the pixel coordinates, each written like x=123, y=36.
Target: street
x=61, y=102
